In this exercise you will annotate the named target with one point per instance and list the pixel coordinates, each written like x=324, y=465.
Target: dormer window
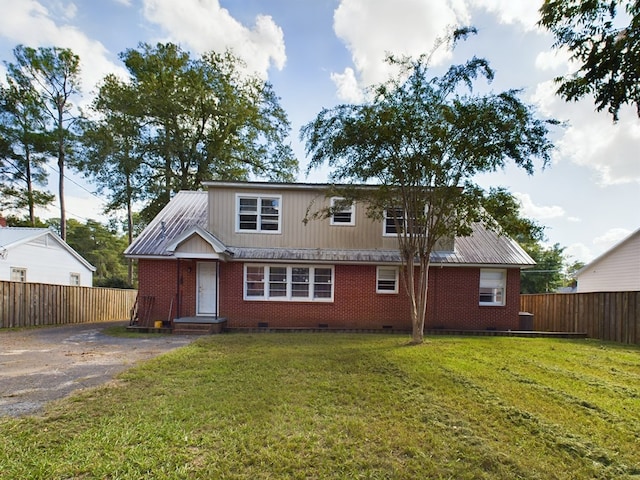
x=393, y=220
x=342, y=214
x=256, y=213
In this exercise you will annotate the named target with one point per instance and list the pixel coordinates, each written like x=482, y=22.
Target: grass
x=314, y=406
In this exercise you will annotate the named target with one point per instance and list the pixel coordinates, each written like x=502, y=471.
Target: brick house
x=241, y=251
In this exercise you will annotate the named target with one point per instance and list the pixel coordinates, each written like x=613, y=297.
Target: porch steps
x=199, y=325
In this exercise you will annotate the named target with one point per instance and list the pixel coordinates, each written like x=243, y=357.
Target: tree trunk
x=417, y=289
x=63, y=212
x=30, y=201
x=129, y=231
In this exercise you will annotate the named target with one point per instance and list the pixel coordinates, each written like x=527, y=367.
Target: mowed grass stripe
x=346, y=406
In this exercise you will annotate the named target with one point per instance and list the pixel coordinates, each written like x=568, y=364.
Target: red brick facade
x=453, y=299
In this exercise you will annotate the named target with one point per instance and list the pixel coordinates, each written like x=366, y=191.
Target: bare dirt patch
x=44, y=364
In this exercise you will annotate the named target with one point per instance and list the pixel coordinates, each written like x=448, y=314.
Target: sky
x=321, y=53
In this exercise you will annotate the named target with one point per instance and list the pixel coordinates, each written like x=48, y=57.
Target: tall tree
x=603, y=36
x=203, y=119
x=101, y=247
x=54, y=73
x=422, y=139
x=113, y=151
x=25, y=144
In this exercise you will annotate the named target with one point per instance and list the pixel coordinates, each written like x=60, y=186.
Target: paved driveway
x=43, y=364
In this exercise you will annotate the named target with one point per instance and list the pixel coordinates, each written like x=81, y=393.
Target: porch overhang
x=197, y=243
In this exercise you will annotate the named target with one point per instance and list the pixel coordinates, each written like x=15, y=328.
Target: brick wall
x=453, y=299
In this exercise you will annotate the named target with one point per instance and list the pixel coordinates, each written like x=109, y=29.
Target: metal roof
x=189, y=209
x=483, y=247
x=186, y=209
x=11, y=237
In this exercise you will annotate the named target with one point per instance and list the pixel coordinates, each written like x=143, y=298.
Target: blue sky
x=319, y=53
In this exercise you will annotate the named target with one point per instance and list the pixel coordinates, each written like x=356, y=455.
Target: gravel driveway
x=43, y=364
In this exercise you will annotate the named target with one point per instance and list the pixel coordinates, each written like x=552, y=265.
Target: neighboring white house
x=38, y=255
x=616, y=270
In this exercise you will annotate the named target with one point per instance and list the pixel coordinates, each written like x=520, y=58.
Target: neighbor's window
x=18, y=274
x=387, y=280
x=288, y=283
x=493, y=285
x=344, y=215
x=258, y=214
x=75, y=279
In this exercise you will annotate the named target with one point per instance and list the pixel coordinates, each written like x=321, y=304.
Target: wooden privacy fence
x=31, y=304
x=613, y=316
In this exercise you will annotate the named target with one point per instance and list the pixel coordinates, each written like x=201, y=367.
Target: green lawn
x=312, y=406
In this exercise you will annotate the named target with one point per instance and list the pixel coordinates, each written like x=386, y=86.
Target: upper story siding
x=296, y=201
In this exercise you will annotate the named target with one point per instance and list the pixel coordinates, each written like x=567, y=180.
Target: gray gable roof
x=188, y=210
x=13, y=237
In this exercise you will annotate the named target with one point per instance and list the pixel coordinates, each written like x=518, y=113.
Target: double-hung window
x=256, y=213
x=493, y=285
x=18, y=274
x=394, y=221
x=294, y=283
x=387, y=280
x=341, y=213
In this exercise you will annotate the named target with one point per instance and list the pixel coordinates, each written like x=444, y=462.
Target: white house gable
x=617, y=270
x=38, y=256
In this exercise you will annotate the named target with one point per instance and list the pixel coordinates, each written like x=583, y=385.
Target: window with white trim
x=387, y=280
x=493, y=284
x=74, y=279
x=18, y=274
x=393, y=220
x=256, y=213
x=342, y=214
x=292, y=283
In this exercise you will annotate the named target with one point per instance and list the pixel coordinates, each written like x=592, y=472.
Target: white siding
x=617, y=270
x=46, y=261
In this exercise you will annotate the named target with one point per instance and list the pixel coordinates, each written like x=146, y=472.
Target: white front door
x=207, y=289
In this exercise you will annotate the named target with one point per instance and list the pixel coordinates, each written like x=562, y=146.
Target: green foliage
x=295, y=406
x=547, y=275
x=25, y=221
x=422, y=139
x=505, y=209
x=598, y=37
x=24, y=145
x=103, y=249
x=50, y=77
x=178, y=121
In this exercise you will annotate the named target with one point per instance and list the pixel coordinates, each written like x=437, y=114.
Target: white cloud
x=204, y=26
x=372, y=29
x=524, y=13
x=28, y=22
x=591, y=139
x=126, y=3
x=578, y=252
x=610, y=238
x=530, y=210
x=553, y=60
x=347, y=85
